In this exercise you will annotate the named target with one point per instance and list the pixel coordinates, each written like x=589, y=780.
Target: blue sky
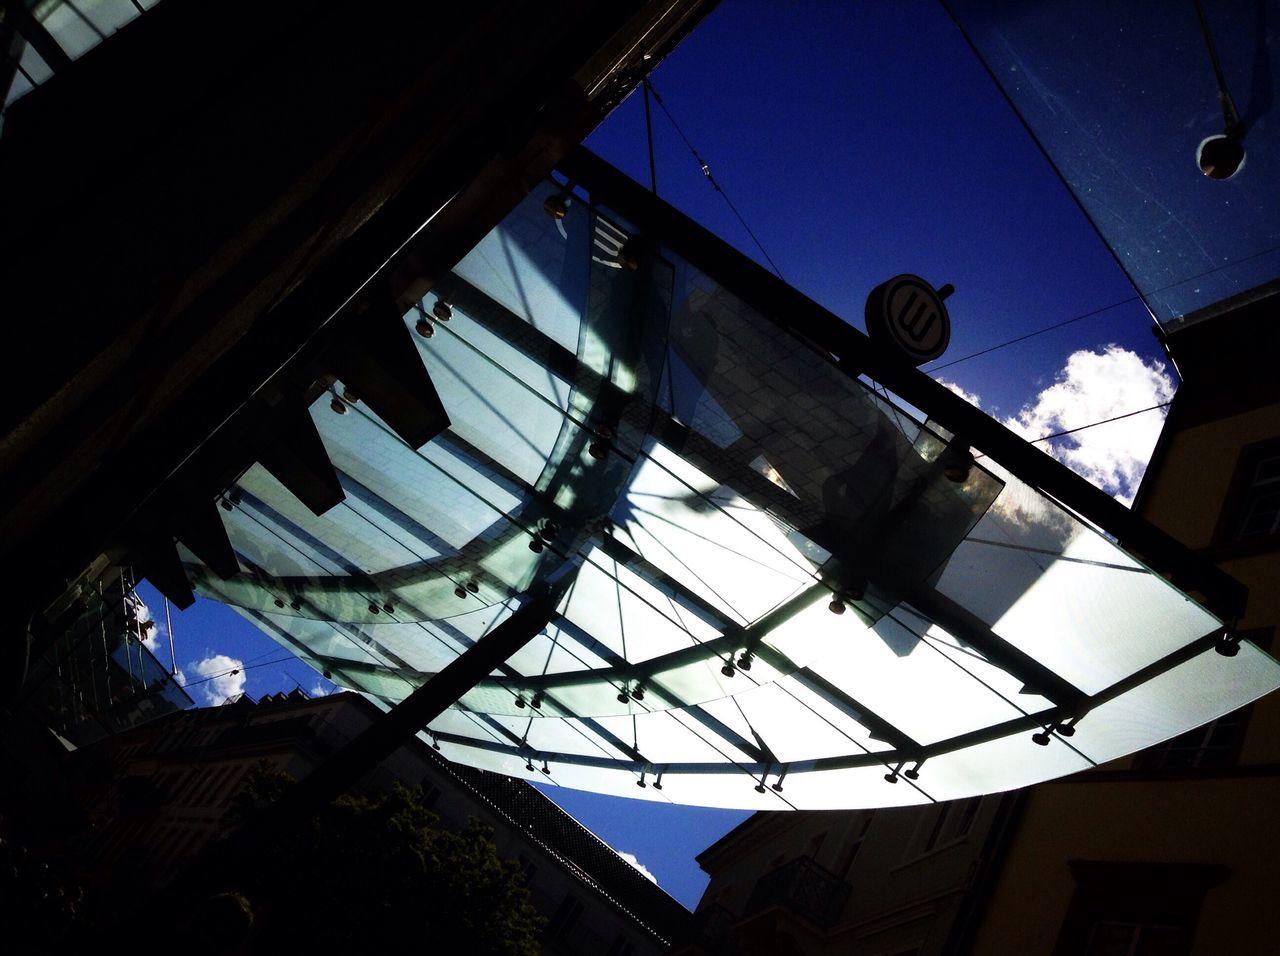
x=858, y=141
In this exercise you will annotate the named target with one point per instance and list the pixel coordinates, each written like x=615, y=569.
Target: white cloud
x=151, y=635
x=221, y=677
x=969, y=397
x=320, y=690
x=644, y=870
x=1094, y=386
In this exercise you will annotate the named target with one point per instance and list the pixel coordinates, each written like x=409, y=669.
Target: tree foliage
x=376, y=871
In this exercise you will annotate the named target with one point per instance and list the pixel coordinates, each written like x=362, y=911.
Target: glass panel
x=730, y=552
x=76, y=28
x=1194, y=693
x=536, y=267
x=894, y=674
x=71, y=30
x=1004, y=764
x=439, y=495
x=1120, y=99
x=498, y=399
x=1056, y=589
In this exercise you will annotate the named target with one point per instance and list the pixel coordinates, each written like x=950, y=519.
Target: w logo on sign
x=914, y=315
x=909, y=314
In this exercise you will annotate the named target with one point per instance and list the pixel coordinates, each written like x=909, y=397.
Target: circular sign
x=909, y=314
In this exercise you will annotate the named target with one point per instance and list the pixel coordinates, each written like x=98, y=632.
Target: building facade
x=1170, y=851
x=169, y=785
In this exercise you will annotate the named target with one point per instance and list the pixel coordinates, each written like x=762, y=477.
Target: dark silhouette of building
x=156, y=795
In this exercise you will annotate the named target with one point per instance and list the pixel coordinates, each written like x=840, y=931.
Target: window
x=1261, y=505
x=1251, y=515
x=1135, y=909
x=528, y=868
x=1111, y=938
x=859, y=831
x=815, y=845
x=1216, y=744
x=566, y=916
x=430, y=793
x=942, y=825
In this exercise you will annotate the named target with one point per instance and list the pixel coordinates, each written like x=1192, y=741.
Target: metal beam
x=381, y=739
x=34, y=32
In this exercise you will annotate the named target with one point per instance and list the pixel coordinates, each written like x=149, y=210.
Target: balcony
x=804, y=888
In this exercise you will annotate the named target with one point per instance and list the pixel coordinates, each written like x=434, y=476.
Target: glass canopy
x=1120, y=95
x=74, y=27
x=779, y=589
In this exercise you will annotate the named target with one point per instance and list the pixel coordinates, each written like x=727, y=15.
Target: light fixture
x=628, y=256
x=338, y=405
x=958, y=468
x=913, y=773
x=599, y=448
x=545, y=768
x=520, y=704
x=836, y=606
x=892, y=775
x=744, y=662
x=529, y=765
x=638, y=693
x=1220, y=156
x=373, y=608
x=640, y=783
x=623, y=696
x=536, y=702
x=442, y=310
x=424, y=327
x=556, y=205
x=536, y=545
x=657, y=781
x=727, y=670
x=473, y=587
x=460, y=592
x=1227, y=644
x=279, y=602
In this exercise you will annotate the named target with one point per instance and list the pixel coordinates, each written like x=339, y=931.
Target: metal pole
x=648, y=127
x=168, y=626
